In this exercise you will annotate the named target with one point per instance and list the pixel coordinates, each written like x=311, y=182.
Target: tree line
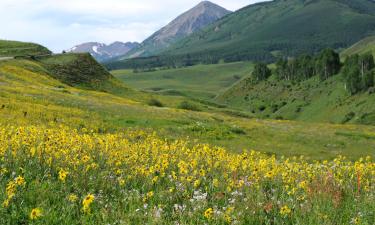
x=357, y=70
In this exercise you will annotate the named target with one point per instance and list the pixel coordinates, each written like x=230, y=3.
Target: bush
x=262, y=108
x=189, y=106
x=155, y=102
x=238, y=130
x=348, y=117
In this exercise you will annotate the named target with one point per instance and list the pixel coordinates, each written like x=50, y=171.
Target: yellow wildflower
x=209, y=213
x=62, y=175
x=20, y=181
x=285, y=210
x=87, y=202
x=72, y=198
x=35, y=213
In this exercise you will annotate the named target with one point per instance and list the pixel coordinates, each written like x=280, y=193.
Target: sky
x=61, y=24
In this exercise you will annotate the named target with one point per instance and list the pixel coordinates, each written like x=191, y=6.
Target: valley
x=261, y=115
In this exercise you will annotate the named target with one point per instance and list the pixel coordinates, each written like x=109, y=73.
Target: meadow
x=77, y=153
x=135, y=177
x=187, y=81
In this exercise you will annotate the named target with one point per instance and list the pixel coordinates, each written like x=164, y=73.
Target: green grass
x=27, y=86
x=201, y=81
x=126, y=147
x=15, y=48
x=311, y=100
x=364, y=46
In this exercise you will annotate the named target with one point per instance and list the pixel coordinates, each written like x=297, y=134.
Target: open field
x=104, y=154
x=26, y=88
x=201, y=81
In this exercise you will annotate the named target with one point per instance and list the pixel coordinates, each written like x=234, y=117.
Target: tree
x=368, y=80
x=328, y=64
x=305, y=67
x=358, y=72
x=352, y=76
x=282, y=69
x=261, y=72
x=366, y=63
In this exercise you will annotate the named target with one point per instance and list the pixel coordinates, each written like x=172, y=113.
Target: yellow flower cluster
x=11, y=189
x=195, y=179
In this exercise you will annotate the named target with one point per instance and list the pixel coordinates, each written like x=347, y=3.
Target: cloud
x=60, y=24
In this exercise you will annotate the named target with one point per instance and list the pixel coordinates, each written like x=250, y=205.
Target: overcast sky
x=61, y=24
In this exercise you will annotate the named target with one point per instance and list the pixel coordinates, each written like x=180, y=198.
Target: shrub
x=189, y=106
x=262, y=108
x=155, y=102
x=348, y=117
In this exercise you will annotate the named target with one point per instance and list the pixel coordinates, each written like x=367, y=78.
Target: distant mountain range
x=103, y=52
x=189, y=22
x=200, y=16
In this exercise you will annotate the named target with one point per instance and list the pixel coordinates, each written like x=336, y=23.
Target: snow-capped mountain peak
x=103, y=52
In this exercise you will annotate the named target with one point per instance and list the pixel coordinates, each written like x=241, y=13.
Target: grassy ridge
x=15, y=48
x=364, y=46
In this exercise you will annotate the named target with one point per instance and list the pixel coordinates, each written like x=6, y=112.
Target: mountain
x=264, y=31
x=283, y=27
x=103, y=52
x=189, y=22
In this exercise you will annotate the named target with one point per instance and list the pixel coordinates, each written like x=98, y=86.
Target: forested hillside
x=316, y=88
x=264, y=31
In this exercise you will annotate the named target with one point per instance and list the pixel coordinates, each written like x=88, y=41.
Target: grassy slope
x=364, y=46
x=281, y=25
x=310, y=100
x=81, y=70
x=15, y=48
x=29, y=95
x=201, y=81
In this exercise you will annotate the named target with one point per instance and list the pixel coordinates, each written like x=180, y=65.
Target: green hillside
x=289, y=27
x=15, y=48
x=30, y=95
x=311, y=100
x=81, y=70
x=262, y=31
x=201, y=81
x=361, y=47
